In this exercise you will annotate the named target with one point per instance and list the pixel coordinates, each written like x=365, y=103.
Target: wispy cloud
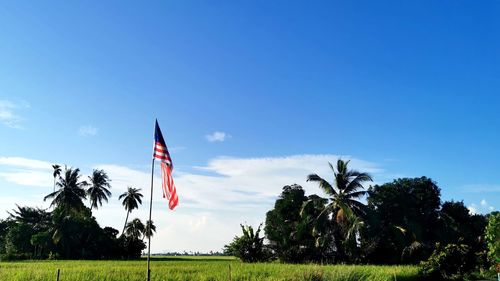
x=482, y=208
x=88, y=131
x=24, y=171
x=8, y=117
x=217, y=137
x=24, y=163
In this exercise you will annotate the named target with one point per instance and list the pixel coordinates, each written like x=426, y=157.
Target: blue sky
x=405, y=88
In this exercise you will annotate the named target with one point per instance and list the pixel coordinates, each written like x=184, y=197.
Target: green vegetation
x=493, y=237
x=249, y=247
x=403, y=222
x=67, y=230
x=197, y=268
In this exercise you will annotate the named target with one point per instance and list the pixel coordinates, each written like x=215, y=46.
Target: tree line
x=67, y=229
x=402, y=222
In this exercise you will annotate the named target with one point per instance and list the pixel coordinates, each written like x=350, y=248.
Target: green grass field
x=197, y=268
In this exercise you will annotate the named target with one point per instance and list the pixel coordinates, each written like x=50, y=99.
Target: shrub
x=449, y=263
x=249, y=247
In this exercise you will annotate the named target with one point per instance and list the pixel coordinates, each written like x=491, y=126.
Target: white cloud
x=483, y=208
x=28, y=178
x=24, y=171
x=217, y=137
x=7, y=115
x=214, y=199
x=235, y=190
x=473, y=209
x=25, y=163
x=87, y=131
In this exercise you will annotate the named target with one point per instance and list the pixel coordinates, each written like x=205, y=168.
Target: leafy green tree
x=71, y=191
x=343, y=205
x=289, y=227
x=403, y=212
x=98, y=190
x=450, y=262
x=39, y=222
x=41, y=241
x=131, y=248
x=77, y=235
x=4, y=228
x=17, y=241
x=249, y=247
x=131, y=201
x=459, y=226
x=316, y=231
x=493, y=237
x=281, y=222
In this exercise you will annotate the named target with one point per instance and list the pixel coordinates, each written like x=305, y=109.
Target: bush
x=449, y=263
x=14, y=257
x=249, y=247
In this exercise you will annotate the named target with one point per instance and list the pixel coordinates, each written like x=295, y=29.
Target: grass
x=197, y=268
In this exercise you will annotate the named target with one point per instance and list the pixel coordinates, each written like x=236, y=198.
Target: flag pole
x=150, y=209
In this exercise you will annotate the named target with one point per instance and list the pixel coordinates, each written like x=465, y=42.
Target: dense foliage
x=449, y=262
x=403, y=222
x=289, y=228
x=493, y=237
x=68, y=230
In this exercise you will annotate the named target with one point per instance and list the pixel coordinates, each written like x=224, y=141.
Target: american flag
x=160, y=152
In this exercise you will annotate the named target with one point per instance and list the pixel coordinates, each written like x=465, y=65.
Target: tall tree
x=405, y=220
x=343, y=203
x=71, y=191
x=55, y=174
x=131, y=200
x=98, y=188
x=289, y=227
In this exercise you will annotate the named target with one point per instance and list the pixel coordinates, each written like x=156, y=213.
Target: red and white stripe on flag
x=169, y=186
x=161, y=153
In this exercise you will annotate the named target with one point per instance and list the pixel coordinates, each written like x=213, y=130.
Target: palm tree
x=150, y=228
x=344, y=191
x=131, y=200
x=57, y=173
x=135, y=229
x=98, y=190
x=36, y=218
x=343, y=204
x=71, y=191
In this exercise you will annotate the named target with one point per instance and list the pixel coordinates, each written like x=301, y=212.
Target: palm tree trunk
x=126, y=219
x=337, y=234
